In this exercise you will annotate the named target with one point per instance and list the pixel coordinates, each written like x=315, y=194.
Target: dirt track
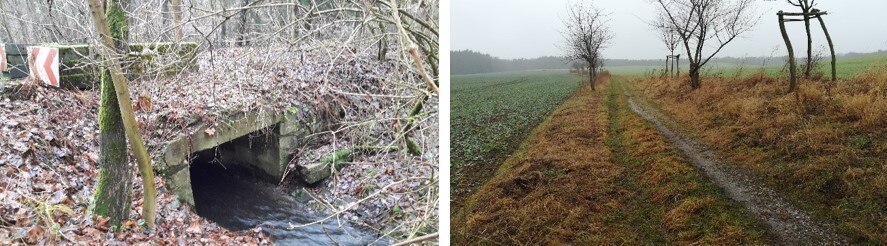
x=790, y=225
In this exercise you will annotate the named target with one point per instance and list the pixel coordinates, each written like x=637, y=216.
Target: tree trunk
x=114, y=31
x=113, y=194
x=241, y=35
x=295, y=16
x=177, y=20
x=831, y=47
x=383, y=43
x=165, y=16
x=591, y=75
x=809, y=67
x=695, y=80
x=793, y=79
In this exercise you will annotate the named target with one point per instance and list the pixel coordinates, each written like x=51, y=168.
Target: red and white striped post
x=2, y=58
x=44, y=64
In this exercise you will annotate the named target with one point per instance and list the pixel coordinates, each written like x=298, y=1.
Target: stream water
x=239, y=201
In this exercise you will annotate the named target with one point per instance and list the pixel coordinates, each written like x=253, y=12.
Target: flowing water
x=239, y=201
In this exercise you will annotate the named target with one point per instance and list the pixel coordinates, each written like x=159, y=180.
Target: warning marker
x=2, y=58
x=44, y=64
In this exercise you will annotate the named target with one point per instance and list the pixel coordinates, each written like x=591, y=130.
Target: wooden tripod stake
x=672, y=65
x=788, y=44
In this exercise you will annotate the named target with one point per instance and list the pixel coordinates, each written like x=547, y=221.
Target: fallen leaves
x=35, y=234
x=143, y=103
x=195, y=228
x=49, y=164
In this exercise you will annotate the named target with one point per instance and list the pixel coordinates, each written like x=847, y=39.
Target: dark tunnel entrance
x=239, y=197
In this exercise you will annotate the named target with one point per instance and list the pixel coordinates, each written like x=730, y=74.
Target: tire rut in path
x=789, y=224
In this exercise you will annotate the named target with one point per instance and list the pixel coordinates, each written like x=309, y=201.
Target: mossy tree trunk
x=113, y=30
x=114, y=190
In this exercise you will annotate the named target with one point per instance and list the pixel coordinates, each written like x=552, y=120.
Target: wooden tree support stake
x=831, y=47
x=793, y=80
x=788, y=44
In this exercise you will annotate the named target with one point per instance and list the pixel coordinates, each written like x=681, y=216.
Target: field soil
x=594, y=173
x=789, y=224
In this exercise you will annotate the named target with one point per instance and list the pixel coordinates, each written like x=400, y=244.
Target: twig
x=349, y=207
x=412, y=48
x=418, y=239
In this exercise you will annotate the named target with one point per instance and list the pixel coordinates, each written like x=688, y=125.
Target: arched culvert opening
x=230, y=190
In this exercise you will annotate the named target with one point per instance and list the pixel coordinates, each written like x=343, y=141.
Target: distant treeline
x=470, y=62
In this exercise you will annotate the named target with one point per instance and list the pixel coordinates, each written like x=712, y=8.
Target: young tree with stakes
x=585, y=35
x=670, y=38
x=705, y=26
x=808, y=13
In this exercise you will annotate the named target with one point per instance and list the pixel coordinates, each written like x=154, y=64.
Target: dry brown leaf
x=35, y=233
x=103, y=223
x=144, y=102
x=128, y=223
x=195, y=228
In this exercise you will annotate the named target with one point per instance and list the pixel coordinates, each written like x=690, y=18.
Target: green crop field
x=846, y=68
x=492, y=113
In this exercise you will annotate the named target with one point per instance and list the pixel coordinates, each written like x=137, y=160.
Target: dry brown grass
x=566, y=185
x=827, y=148
x=553, y=190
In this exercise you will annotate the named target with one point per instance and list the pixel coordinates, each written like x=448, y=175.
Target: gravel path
x=790, y=225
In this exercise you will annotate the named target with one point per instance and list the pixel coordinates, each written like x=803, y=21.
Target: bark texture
x=113, y=30
x=113, y=194
x=792, y=81
x=177, y=20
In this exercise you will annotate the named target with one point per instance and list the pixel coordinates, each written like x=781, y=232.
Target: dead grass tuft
x=679, y=218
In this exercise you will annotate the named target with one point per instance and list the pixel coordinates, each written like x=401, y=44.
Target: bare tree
x=585, y=35
x=706, y=26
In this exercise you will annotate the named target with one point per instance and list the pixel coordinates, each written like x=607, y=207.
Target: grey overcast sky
x=531, y=28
